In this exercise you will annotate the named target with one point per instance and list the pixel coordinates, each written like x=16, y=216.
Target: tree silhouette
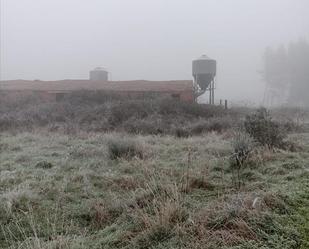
x=287, y=69
x=299, y=72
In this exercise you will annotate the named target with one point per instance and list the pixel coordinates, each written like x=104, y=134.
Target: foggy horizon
x=149, y=40
x=134, y=124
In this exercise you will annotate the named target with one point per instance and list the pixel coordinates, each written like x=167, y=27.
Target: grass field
x=95, y=171
x=72, y=191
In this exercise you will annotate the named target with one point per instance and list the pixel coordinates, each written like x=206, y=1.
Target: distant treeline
x=286, y=69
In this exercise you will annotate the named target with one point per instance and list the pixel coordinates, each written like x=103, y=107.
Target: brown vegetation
x=101, y=112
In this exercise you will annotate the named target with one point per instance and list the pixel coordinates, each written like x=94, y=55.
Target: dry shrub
x=40, y=229
x=181, y=132
x=264, y=130
x=153, y=125
x=85, y=152
x=275, y=202
x=217, y=124
x=227, y=222
x=126, y=148
x=127, y=109
x=99, y=111
x=127, y=183
x=291, y=126
x=260, y=156
x=4, y=146
x=158, y=215
x=239, y=218
x=44, y=165
x=156, y=189
x=200, y=183
x=169, y=106
x=242, y=145
x=104, y=213
x=165, y=213
x=161, y=224
x=293, y=117
x=7, y=122
x=18, y=199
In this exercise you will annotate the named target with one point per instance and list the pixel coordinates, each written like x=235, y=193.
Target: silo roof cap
x=100, y=69
x=204, y=57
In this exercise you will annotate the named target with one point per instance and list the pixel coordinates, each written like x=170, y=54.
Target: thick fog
x=148, y=39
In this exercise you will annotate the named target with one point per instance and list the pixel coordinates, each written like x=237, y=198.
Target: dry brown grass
x=104, y=213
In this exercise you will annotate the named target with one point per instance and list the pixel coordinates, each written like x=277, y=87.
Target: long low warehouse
x=53, y=90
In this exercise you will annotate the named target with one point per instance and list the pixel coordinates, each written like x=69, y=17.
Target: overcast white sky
x=147, y=39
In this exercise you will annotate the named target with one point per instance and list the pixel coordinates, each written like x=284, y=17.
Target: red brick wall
x=11, y=95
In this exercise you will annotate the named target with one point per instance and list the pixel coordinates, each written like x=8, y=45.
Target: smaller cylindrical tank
x=98, y=74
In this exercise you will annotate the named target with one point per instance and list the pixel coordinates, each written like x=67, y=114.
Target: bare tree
x=275, y=74
x=299, y=72
x=287, y=71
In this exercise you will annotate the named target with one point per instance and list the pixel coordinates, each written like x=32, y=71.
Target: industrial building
x=53, y=90
x=203, y=71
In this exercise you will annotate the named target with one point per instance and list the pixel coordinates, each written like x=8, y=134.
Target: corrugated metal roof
x=74, y=85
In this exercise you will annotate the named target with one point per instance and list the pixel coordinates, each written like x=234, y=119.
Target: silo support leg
x=212, y=93
x=210, y=96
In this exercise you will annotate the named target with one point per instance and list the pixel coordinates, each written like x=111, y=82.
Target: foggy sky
x=147, y=39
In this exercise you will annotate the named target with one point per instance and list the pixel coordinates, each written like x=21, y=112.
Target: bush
x=127, y=109
x=217, y=124
x=104, y=213
x=126, y=148
x=168, y=106
x=242, y=145
x=153, y=125
x=98, y=111
x=44, y=165
x=264, y=130
x=181, y=132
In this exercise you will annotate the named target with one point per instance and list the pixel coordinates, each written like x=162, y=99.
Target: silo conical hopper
x=204, y=70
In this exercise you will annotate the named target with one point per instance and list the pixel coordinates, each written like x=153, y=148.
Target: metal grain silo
x=204, y=70
x=98, y=74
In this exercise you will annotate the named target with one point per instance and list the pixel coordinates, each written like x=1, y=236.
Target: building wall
x=13, y=95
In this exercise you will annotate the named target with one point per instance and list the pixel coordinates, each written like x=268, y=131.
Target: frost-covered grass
x=65, y=191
